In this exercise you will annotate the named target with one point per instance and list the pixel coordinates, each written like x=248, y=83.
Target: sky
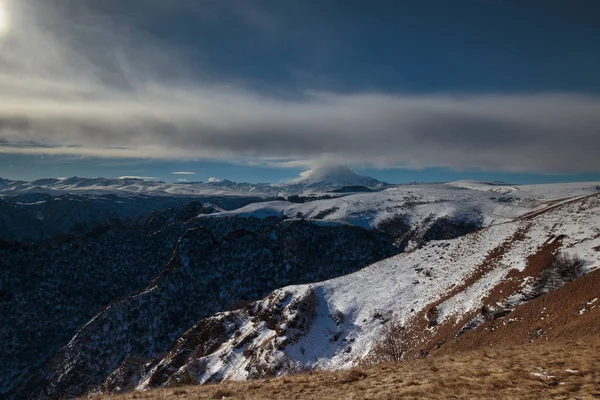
x=260, y=91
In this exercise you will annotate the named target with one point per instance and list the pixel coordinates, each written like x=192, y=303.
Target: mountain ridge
x=434, y=292
x=427, y=256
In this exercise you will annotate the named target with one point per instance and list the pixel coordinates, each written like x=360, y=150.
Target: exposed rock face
x=400, y=230
x=127, y=375
x=288, y=318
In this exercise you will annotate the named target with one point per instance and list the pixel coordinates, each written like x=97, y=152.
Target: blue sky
x=260, y=91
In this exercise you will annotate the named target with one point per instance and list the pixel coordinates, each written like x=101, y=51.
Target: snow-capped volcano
x=318, y=180
x=339, y=175
x=328, y=178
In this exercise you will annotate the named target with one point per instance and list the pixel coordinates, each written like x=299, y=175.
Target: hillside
x=29, y=218
x=546, y=348
x=478, y=203
x=199, y=294
x=561, y=370
x=435, y=293
x=127, y=290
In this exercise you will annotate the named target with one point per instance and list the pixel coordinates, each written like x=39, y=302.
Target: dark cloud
x=18, y=124
x=80, y=91
x=544, y=133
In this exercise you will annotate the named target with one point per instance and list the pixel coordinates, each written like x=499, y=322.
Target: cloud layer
x=99, y=90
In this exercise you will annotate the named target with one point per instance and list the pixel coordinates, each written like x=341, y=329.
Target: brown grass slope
x=550, y=370
x=421, y=336
x=572, y=311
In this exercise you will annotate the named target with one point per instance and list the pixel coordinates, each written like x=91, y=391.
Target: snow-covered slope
x=434, y=292
x=540, y=191
x=475, y=202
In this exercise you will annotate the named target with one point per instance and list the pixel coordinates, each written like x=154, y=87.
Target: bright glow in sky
x=3, y=19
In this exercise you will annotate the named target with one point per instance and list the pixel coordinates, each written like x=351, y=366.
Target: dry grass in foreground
x=561, y=370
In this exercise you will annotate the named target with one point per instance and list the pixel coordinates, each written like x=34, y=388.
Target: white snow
x=419, y=201
x=543, y=375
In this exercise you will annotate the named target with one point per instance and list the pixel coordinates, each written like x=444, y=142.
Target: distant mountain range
x=316, y=181
x=123, y=187
x=31, y=211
